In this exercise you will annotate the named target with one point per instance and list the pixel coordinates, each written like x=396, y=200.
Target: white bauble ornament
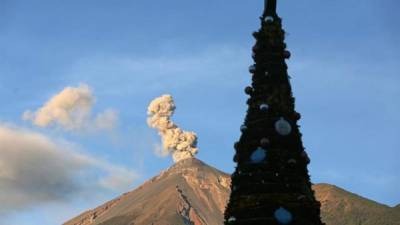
x=283, y=216
x=243, y=128
x=283, y=127
x=269, y=19
x=231, y=219
x=264, y=107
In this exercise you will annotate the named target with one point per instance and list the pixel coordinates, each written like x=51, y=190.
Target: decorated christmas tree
x=271, y=184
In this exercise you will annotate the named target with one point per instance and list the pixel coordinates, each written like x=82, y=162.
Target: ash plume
x=181, y=144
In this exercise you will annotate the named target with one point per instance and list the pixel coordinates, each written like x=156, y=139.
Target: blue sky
x=344, y=70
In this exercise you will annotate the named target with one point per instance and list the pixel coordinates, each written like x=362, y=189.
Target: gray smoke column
x=181, y=144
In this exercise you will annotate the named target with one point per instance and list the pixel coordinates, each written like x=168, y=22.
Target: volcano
x=189, y=192
x=194, y=193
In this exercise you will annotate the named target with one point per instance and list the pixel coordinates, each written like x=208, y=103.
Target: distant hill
x=342, y=207
x=193, y=193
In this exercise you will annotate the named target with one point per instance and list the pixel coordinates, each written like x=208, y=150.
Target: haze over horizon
x=76, y=79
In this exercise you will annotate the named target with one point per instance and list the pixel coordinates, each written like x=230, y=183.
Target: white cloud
x=106, y=120
x=120, y=178
x=71, y=109
x=36, y=170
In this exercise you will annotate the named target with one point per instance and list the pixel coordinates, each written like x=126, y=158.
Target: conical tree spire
x=270, y=8
x=271, y=185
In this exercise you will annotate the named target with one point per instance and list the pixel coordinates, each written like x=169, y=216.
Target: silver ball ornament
x=264, y=107
x=283, y=127
x=269, y=19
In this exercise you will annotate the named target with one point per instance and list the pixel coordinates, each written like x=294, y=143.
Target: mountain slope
x=191, y=192
x=342, y=207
